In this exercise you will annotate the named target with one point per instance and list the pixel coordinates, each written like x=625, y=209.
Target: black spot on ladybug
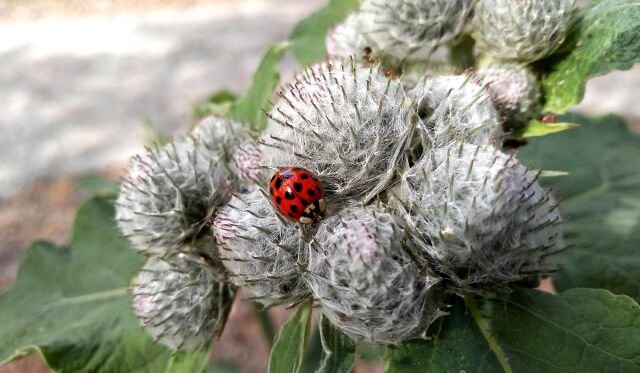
x=271, y=191
x=287, y=175
x=293, y=208
x=311, y=192
x=278, y=183
x=278, y=200
x=288, y=195
x=304, y=176
x=273, y=177
x=297, y=187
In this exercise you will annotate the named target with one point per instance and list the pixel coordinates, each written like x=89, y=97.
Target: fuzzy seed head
x=347, y=40
x=515, y=91
x=367, y=285
x=478, y=216
x=169, y=193
x=521, y=30
x=230, y=138
x=261, y=252
x=455, y=108
x=181, y=301
x=346, y=124
x=413, y=29
x=246, y=161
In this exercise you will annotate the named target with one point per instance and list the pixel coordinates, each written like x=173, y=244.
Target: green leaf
x=313, y=355
x=98, y=186
x=456, y=345
x=339, y=349
x=287, y=353
x=536, y=128
x=265, y=80
x=308, y=36
x=266, y=324
x=71, y=303
x=219, y=103
x=222, y=367
x=580, y=330
x=601, y=196
x=194, y=360
x=605, y=38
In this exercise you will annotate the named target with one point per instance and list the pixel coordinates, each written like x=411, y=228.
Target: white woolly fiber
x=181, y=301
x=479, y=216
x=261, y=252
x=367, y=285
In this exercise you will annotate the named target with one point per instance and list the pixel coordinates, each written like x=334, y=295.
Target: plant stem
x=461, y=54
x=471, y=304
x=266, y=324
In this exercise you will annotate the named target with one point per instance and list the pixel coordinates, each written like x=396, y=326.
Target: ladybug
x=297, y=194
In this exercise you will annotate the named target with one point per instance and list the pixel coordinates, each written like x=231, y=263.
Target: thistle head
x=455, y=108
x=346, y=40
x=365, y=282
x=515, y=91
x=169, y=193
x=521, y=30
x=232, y=140
x=182, y=301
x=412, y=29
x=346, y=124
x=261, y=252
x=478, y=216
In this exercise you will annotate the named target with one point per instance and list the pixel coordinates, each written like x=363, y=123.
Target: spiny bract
x=455, y=108
x=169, y=193
x=515, y=91
x=182, y=301
x=346, y=124
x=365, y=282
x=479, y=216
x=521, y=30
x=261, y=252
x=413, y=29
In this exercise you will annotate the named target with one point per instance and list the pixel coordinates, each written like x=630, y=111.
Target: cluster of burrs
x=509, y=36
x=421, y=201
x=182, y=295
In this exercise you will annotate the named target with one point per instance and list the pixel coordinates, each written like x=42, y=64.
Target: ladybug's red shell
x=297, y=194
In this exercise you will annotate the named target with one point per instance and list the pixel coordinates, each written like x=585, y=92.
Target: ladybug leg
x=322, y=206
x=310, y=214
x=305, y=220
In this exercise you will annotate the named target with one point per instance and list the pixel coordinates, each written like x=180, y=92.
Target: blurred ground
x=78, y=77
x=75, y=89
